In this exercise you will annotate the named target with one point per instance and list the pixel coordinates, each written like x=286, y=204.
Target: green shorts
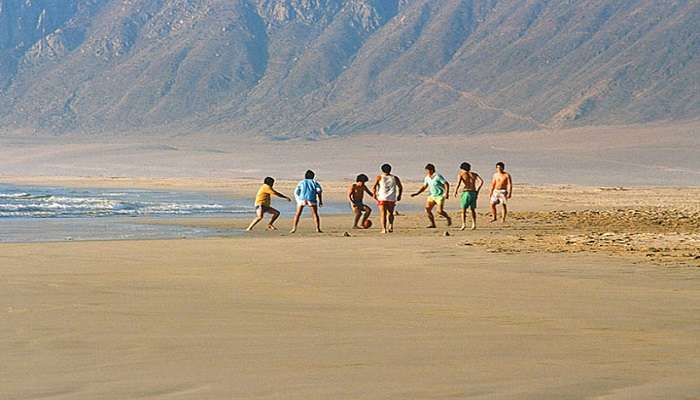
x=468, y=200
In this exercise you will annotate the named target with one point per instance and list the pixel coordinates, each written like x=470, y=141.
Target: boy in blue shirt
x=308, y=194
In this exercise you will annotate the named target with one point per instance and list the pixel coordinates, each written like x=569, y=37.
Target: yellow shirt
x=263, y=196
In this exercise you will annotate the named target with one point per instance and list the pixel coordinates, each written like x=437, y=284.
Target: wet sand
x=551, y=305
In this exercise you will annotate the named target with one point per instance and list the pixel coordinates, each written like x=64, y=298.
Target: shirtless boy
x=387, y=190
x=501, y=191
x=472, y=185
x=356, y=194
x=439, y=192
x=262, y=204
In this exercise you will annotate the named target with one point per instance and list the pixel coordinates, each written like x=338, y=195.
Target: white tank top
x=387, y=188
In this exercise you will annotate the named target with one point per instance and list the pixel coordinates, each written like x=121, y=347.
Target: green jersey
x=436, y=185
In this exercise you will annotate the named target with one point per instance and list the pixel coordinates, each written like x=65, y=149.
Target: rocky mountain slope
x=314, y=68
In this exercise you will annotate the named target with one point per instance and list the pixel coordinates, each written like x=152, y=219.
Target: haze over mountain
x=314, y=68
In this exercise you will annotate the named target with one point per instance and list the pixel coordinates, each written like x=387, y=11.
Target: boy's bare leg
x=253, y=223
x=258, y=218
x=391, y=219
x=368, y=212
x=382, y=218
x=464, y=220
x=317, y=219
x=441, y=211
x=494, y=213
x=275, y=215
x=358, y=215
x=473, y=211
x=429, y=213
x=297, y=215
x=505, y=212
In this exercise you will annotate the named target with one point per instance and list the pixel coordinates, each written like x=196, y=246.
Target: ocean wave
x=14, y=195
x=87, y=204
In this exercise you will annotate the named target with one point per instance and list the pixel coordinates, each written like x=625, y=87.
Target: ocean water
x=31, y=202
x=31, y=214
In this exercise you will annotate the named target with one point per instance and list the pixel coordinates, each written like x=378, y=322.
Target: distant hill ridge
x=316, y=68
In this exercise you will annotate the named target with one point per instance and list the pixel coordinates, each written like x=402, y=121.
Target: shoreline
x=640, y=241
x=658, y=225
x=526, y=196
x=194, y=183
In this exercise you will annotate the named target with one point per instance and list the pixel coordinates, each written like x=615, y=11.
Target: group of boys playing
x=387, y=190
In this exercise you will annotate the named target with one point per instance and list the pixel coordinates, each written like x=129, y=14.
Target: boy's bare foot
x=384, y=231
x=391, y=228
x=293, y=230
x=355, y=227
x=473, y=227
x=319, y=231
x=493, y=220
x=431, y=227
x=271, y=228
x=463, y=227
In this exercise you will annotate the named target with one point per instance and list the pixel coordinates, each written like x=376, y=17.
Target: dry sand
x=562, y=302
x=661, y=154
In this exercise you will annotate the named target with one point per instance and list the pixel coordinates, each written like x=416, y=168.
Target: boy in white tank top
x=387, y=190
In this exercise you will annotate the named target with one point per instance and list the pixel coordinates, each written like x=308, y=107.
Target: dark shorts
x=358, y=204
x=263, y=208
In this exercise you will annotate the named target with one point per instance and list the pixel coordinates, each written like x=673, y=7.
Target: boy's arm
x=375, y=186
x=320, y=199
x=493, y=186
x=367, y=190
x=421, y=190
x=278, y=194
x=446, y=185
x=481, y=182
x=351, y=193
x=400, y=186
x=510, y=187
x=459, y=183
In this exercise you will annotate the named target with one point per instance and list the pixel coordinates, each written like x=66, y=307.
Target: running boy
x=262, y=204
x=356, y=194
x=439, y=192
x=472, y=185
x=387, y=190
x=308, y=194
x=501, y=190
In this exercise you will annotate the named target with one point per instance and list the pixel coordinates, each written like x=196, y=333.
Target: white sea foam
x=58, y=203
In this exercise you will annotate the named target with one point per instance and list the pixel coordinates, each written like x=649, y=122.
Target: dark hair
x=430, y=167
x=362, y=178
x=466, y=166
x=309, y=175
x=500, y=164
x=386, y=168
x=269, y=181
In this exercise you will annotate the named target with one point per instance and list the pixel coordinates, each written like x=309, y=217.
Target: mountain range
x=318, y=68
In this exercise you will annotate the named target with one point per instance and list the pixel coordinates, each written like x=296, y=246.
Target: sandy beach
x=584, y=293
x=141, y=141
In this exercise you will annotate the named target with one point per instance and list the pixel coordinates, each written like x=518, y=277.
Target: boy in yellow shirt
x=262, y=204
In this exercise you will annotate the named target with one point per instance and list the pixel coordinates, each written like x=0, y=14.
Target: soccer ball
x=367, y=224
